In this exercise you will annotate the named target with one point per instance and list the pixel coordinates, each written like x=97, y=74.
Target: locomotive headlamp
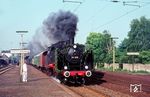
x=86, y=67
x=74, y=46
x=65, y=67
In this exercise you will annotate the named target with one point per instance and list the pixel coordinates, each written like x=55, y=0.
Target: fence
x=130, y=67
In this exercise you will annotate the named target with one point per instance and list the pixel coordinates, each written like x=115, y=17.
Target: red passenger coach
x=42, y=60
x=42, y=63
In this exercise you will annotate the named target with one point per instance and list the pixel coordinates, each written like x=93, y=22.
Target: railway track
x=90, y=89
x=85, y=91
x=96, y=88
x=5, y=69
x=146, y=87
x=123, y=82
x=82, y=90
x=93, y=90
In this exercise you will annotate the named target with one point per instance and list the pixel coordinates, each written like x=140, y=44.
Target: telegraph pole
x=113, y=44
x=22, y=54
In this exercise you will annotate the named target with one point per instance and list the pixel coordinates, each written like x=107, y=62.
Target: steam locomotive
x=68, y=62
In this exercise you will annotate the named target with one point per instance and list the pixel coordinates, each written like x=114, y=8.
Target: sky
x=93, y=15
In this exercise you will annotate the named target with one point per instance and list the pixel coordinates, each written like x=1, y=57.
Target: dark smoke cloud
x=59, y=26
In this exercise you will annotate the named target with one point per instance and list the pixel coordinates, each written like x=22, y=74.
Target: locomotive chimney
x=71, y=40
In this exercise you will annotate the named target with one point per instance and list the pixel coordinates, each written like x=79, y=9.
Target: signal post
x=21, y=51
x=133, y=54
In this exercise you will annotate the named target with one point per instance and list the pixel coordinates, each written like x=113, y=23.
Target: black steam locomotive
x=68, y=62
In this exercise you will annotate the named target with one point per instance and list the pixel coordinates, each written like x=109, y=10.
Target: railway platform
x=38, y=85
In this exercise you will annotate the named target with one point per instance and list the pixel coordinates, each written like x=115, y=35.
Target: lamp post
x=22, y=54
x=113, y=44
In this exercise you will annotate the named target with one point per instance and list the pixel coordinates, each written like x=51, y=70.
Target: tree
x=137, y=41
x=145, y=57
x=100, y=44
x=138, y=37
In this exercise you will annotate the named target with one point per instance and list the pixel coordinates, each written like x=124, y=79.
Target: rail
x=5, y=69
x=85, y=91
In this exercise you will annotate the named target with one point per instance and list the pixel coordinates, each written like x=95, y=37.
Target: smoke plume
x=57, y=27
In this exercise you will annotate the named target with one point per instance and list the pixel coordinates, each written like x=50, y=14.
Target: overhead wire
x=121, y=16
x=91, y=18
x=114, y=18
x=94, y=15
x=72, y=1
x=78, y=6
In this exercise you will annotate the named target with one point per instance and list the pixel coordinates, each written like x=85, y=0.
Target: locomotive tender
x=68, y=62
